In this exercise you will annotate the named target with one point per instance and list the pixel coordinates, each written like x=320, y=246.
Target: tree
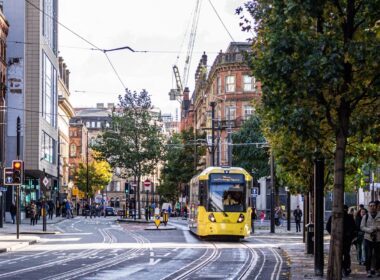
x=251, y=157
x=134, y=141
x=182, y=159
x=99, y=175
x=319, y=65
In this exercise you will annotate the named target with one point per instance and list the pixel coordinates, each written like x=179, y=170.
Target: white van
x=165, y=206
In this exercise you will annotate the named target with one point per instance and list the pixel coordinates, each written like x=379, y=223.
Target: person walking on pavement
x=51, y=209
x=349, y=232
x=13, y=210
x=297, y=218
x=370, y=224
x=262, y=217
x=359, y=244
x=68, y=209
x=33, y=214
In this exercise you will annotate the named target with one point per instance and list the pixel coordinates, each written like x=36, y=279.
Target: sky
x=158, y=29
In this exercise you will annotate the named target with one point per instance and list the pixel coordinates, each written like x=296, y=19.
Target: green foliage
x=99, y=175
x=319, y=65
x=251, y=157
x=181, y=164
x=134, y=141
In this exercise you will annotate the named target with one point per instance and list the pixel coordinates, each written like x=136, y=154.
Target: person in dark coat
x=349, y=232
x=297, y=218
x=13, y=210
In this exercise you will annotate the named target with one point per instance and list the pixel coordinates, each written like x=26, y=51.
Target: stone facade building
x=32, y=94
x=227, y=90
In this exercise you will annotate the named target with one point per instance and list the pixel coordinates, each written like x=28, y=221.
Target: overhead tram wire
x=82, y=38
x=217, y=14
x=94, y=49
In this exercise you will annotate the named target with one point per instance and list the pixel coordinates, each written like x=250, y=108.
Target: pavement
x=290, y=242
x=28, y=234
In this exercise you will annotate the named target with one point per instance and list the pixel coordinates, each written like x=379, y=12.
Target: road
x=101, y=248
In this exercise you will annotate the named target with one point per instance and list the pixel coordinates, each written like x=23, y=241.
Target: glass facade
x=48, y=146
x=49, y=91
x=49, y=25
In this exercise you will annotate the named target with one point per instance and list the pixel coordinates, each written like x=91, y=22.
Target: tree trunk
x=334, y=270
x=138, y=196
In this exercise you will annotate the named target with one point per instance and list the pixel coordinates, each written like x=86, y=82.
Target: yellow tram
x=219, y=203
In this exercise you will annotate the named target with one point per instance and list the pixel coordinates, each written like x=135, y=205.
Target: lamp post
x=212, y=104
x=87, y=185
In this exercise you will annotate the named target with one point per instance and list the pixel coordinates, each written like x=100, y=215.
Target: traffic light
x=127, y=188
x=17, y=166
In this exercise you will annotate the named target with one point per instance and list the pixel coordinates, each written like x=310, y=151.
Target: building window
x=248, y=111
x=49, y=26
x=230, y=83
x=48, y=148
x=87, y=124
x=218, y=85
x=49, y=91
x=117, y=202
x=117, y=187
x=112, y=202
x=249, y=83
x=73, y=150
x=229, y=112
x=107, y=124
x=99, y=125
x=93, y=124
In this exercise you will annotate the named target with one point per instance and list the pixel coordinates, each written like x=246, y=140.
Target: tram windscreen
x=226, y=193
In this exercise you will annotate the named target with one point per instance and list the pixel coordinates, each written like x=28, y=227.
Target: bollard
x=165, y=218
x=310, y=239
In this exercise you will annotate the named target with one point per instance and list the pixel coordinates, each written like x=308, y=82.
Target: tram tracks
x=96, y=266
x=209, y=256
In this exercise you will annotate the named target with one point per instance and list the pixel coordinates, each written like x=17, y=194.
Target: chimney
x=186, y=93
x=99, y=105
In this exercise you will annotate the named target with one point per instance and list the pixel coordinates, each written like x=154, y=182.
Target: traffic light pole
x=18, y=138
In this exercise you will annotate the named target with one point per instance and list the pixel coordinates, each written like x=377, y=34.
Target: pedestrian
x=349, y=232
x=370, y=224
x=278, y=216
x=33, y=214
x=51, y=209
x=78, y=207
x=297, y=218
x=68, y=209
x=13, y=210
x=359, y=244
x=262, y=217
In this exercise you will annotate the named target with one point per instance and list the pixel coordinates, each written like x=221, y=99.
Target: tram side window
x=202, y=193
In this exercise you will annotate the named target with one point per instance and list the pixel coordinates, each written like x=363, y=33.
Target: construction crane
x=176, y=94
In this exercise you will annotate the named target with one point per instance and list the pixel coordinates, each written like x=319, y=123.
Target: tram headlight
x=212, y=218
x=241, y=218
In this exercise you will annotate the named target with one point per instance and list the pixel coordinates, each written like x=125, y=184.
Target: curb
x=161, y=228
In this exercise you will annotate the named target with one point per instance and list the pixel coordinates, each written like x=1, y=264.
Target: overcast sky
x=156, y=26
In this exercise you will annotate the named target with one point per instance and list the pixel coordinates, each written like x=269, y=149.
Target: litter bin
x=310, y=239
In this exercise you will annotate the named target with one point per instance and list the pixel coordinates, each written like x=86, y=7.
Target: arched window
x=117, y=202
x=73, y=150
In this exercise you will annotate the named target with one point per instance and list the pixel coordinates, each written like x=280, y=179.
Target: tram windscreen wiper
x=218, y=208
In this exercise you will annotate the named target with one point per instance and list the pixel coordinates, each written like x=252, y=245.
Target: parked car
x=110, y=211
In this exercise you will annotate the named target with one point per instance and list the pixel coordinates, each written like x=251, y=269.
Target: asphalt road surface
x=101, y=248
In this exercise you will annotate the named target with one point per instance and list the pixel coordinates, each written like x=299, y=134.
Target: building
x=222, y=99
x=4, y=27
x=65, y=113
x=32, y=94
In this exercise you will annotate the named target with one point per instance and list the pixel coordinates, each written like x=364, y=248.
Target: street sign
x=255, y=191
x=147, y=185
x=8, y=176
x=45, y=181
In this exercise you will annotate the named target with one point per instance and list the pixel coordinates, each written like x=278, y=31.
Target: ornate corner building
x=223, y=99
